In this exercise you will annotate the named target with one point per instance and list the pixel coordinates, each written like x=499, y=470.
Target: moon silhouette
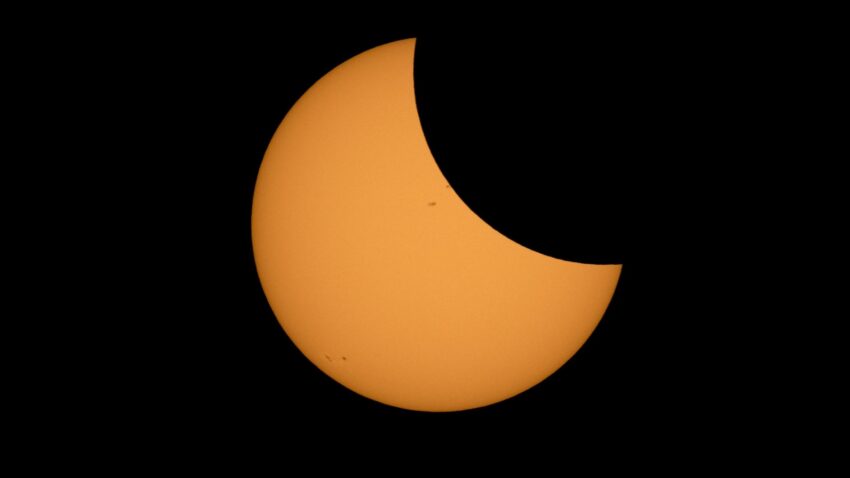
x=383, y=277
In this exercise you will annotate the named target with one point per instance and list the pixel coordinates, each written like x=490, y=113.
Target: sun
x=383, y=277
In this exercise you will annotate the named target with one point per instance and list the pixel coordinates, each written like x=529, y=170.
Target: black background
x=591, y=141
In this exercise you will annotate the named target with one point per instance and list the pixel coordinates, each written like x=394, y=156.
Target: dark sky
x=168, y=125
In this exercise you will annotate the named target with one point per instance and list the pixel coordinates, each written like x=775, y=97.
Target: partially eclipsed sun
x=383, y=277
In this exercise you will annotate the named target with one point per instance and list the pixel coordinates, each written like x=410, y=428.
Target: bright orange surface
x=383, y=277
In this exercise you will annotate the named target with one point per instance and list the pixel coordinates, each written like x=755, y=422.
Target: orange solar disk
x=383, y=277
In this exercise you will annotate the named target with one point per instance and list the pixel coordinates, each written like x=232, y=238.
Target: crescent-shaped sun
x=383, y=277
